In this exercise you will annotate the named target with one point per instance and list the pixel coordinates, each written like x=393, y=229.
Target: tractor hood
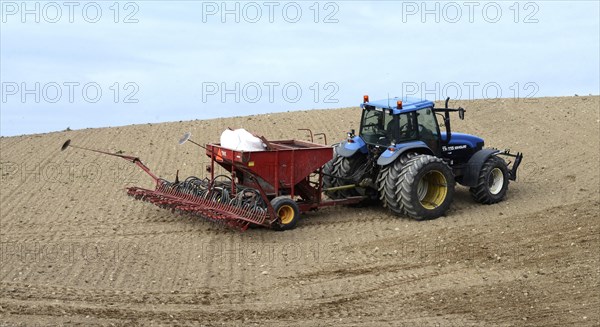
x=462, y=138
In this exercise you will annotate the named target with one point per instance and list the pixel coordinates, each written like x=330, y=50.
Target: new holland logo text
x=454, y=147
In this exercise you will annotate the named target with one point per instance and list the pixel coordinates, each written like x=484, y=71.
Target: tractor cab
x=390, y=127
x=394, y=121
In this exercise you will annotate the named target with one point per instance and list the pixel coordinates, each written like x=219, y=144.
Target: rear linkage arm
x=512, y=173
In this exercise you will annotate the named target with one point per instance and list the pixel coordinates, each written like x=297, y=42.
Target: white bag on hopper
x=241, y=140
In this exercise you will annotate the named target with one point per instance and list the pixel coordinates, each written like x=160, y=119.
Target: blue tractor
x=407, y=157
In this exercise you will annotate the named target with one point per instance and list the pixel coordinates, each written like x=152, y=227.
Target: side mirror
x=461, y=113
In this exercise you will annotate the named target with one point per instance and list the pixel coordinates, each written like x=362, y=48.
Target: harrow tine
x=215, y=203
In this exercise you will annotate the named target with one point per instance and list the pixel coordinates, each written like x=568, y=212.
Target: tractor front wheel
x=287, y=213
x=492, y=183
x=425, y=187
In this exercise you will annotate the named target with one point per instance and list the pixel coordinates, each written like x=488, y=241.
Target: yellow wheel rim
x=286, y=214
x=432, y=189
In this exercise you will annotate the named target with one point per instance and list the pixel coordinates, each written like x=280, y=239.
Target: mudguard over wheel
x=492, y=183
x=287, y=212
x=425, y=187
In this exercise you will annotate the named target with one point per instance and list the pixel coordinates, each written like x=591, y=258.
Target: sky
x=80, y=64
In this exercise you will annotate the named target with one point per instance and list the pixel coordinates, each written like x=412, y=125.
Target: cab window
x=427, y=124
x=381, y=127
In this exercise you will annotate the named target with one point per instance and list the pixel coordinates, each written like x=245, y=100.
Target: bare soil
x=75, y=250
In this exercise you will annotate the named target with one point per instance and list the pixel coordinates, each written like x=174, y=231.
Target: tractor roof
x=408, y=104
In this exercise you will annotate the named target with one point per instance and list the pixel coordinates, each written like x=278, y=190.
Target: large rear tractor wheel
x=341, y=171
x=287, y=211
x=387, y=180
x=348, y=174
x=381, y=179
x=425, y=187
x=492, y=183
x=330, y=170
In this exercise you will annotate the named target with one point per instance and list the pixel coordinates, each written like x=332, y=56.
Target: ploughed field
x=75, y=250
